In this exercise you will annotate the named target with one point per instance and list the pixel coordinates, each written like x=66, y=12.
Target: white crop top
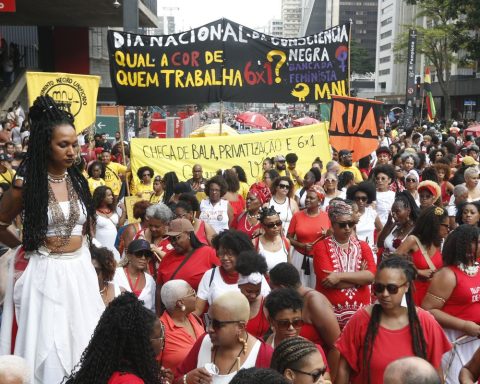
x=65, y=205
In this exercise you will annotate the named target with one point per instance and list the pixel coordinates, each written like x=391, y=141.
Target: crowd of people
x=363, y=272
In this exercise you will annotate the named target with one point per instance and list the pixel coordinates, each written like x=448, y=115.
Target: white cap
x=454, y=124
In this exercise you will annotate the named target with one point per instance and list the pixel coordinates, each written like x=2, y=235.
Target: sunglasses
x=408, y=180
x=361, y=198
x=344, y=224
x=273, y=225
x=446, y=226
x=316, y=374
x=330, y=180
x=286, y=324
x=146, y=174
x=141, y=254
x=283, y=186
x=217, y=324
x=392, y=289
x=381, y=178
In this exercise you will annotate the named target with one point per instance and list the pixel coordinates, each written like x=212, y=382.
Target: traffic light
x=417, y=81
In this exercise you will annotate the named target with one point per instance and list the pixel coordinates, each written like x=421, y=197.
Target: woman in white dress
x=384, y=175
x=282, y=200
x=132, y=272
x=108, y=220
x=214, y=210
x=56, y=300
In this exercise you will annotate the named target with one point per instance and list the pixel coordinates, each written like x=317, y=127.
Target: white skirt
x=297, y=260
x=57, y=307
x=462, y=351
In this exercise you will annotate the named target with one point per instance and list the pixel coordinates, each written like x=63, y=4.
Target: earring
x=182, y=308
x=244, y=342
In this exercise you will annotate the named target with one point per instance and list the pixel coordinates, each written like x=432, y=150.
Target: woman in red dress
x=423, y=246
x=344, y=265
x=380, y=333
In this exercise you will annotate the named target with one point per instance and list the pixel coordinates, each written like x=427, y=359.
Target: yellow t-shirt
x=112, y=176
x=154, y=199
x=244, y=188
x=7, y=176
x=145, y=189
x=94, y=184
x=356, y=173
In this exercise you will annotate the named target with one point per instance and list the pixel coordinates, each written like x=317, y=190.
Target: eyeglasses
x=174, y=239
x=273, y=225
x=146, y=174
x=344, y=224
x=316, y=374
x=194, y=294
x=361, y=198
x=217, y=324
x=381, y=178
x=141, y=254
x=392, y=289
x=409, y=180
x=330, y=180
x=446, y=226
x=283, y=186
x=286, y=324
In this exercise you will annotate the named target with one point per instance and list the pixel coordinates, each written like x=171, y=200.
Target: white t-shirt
x=384, y=204
x=301, y=199
x=210, y=292
x=366, y=226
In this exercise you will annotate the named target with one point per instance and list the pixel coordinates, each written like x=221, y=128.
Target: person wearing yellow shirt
x=295, y=174
x=157, y=195
x=346, y=164
x=113, y=173
x=96, y=173
x=242, y=178
x=144, y=188
x=6, y=171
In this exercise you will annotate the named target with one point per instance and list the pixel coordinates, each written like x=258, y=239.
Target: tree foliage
x=444, y=39
x=360, y=60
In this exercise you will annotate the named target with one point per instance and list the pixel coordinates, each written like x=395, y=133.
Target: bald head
x=14, y=370
x=410, y=370
x=234, y=303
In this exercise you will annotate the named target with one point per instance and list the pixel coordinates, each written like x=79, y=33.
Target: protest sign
x=73, y=93
x=225, y=61
x=129, y=203
x=353, y=125
x=221, y=152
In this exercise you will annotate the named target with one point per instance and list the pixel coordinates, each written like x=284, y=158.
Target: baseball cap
x=279, y=158
x=384, y=150
x=178, y=226
x=5, y=157
x=469, y=160
x=139, y=245
x=344, y=152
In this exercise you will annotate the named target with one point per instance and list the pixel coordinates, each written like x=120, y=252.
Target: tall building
x=390, y=77
x=291, y=17
x=319, y=15
x=275, y=28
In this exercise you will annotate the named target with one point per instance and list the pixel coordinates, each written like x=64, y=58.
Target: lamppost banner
x=410, y=91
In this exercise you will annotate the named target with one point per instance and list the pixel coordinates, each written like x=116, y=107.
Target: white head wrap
x=254, y=278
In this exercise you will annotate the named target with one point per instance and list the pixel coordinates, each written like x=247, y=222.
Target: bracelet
x=437, y=297
x=185, y=378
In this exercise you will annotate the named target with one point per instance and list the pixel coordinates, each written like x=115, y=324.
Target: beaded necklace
x=62, y=225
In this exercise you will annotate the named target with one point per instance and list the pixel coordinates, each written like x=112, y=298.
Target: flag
x=73, y=93
x=431, y=112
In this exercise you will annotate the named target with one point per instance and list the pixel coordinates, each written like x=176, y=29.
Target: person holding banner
x=56, y=299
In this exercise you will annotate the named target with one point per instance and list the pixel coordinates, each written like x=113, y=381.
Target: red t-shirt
x=307, y=229
x=124, y=378
x=464, y=302
x=202, y=259
x=389, y=345
x=421, y=287
x=345, y=301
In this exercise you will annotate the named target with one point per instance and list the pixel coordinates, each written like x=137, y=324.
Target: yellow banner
x=223, y=152
x=76, y=94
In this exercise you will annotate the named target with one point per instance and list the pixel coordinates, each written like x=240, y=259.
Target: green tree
x=360, y=60
x=447, y=32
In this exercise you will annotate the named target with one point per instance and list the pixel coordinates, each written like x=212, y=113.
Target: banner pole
x=349, y=42
x=221, y=116
x=421, y=105
x=122, y=136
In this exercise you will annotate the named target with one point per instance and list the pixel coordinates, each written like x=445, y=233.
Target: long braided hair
x=44, y=116
x=290, y=353
x=458, y=247
x=419, y=344
x=120, y=342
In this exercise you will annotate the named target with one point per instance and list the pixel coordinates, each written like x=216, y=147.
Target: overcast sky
x=190, y=14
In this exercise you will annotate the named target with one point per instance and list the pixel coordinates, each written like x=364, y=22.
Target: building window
x=383, y=85
x=385, y=47
x=386, y=21
x=385, y=59
x=386, y=34
x=384, y=72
